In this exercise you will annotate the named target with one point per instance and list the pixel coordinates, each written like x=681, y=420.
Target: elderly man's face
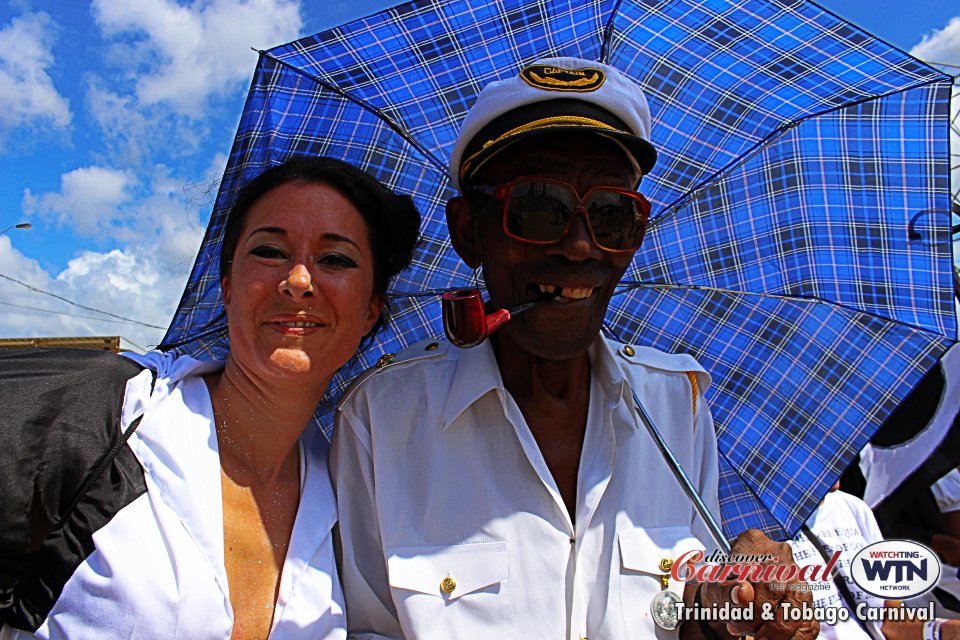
x=574, y=269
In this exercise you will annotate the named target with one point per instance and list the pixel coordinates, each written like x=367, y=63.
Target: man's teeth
x=569, y=293
x=300, y=325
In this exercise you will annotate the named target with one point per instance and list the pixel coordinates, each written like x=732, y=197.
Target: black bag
x=64, y=469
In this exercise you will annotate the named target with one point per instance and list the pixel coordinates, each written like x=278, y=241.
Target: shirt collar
x=477, y=374
x=605, y=367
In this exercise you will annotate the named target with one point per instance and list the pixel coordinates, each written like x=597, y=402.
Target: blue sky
x=116, y=119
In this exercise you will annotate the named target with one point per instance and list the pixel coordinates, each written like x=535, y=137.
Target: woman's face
x=299, y=295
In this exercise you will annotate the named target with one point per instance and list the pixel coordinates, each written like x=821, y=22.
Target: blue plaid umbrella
x=795, y=149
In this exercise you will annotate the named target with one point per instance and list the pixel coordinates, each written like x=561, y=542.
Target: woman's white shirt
x=158, y=568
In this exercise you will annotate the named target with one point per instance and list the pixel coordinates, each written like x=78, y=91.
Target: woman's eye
x=337, y=260
x=267, y=251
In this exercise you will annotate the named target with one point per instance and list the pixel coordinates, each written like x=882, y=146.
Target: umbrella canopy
x=795, y=149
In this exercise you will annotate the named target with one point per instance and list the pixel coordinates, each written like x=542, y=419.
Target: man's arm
x=947, y=547
x=363, y=569
x=914, y=629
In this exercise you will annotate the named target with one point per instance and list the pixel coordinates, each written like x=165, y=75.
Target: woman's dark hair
x=392, y=220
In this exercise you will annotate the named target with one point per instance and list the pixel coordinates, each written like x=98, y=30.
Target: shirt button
x=432, y=346
x=448, y=584
x=629, y=351
x=385, y=359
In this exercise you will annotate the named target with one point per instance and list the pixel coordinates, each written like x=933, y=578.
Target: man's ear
x=463, y=231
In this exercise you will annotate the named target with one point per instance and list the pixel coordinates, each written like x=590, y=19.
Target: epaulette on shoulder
x=677, y=362
x=427, y=348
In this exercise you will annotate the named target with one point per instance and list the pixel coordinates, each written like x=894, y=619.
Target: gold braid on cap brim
x=543, y=123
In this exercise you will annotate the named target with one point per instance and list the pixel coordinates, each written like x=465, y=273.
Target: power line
x=76, y=315
x=143, y=349
x=65, y=313
x=77, y=304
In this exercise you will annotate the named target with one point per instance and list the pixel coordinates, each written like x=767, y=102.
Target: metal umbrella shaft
x=681, y=477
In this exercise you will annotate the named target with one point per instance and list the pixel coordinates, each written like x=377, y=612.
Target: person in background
x=845, y=523
x=923, y=509
x=938, y=526
x=946, y=491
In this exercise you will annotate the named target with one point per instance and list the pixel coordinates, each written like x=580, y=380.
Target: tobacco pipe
x=467, y=323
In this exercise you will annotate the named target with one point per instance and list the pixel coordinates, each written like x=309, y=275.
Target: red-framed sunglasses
x=541, y=211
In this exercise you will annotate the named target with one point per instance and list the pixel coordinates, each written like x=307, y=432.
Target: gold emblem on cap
x=548, y=78
x=448, y=584
x=666, y=564
x=539, y=124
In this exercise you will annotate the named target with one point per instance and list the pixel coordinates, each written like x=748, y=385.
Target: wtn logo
x=902, y=570
x=895, y=569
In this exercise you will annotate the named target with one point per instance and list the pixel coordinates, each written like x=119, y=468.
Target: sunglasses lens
x=618, y=219
x=542, y=212
x=539, y=211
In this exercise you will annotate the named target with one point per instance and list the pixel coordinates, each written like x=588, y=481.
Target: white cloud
x=185, y=54
x=115, y=271
x=151, y=232
x=89, y=200
x=15, y=321
x=178, y=71
x=141, y=281
x=114, y=207
x=16, y=265
x=174, y=69
x=138, y=282
x=941, y=45
x=29, y=96
x=135, y=133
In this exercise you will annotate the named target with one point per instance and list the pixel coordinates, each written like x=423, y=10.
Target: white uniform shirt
x=946, y=491
x=158, y=569
x=438, y=476
x=843, y=523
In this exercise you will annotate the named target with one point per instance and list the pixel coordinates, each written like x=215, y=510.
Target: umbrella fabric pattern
x=799, y=243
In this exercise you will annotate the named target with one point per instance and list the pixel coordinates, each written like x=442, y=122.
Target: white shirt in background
x=841, y=522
